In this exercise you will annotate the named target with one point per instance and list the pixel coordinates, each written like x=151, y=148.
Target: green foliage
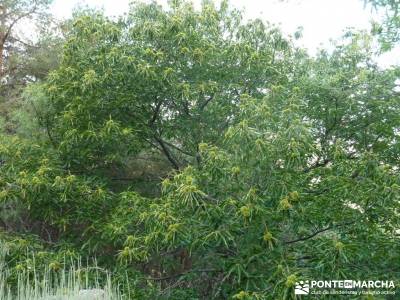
x=389, y=31
x=256, y=217
x=25, y=58
x=62, y=202
x=166, y=77
x=286, y=166
x=31, y=118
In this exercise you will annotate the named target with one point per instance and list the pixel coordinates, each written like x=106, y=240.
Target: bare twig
x=301, y=239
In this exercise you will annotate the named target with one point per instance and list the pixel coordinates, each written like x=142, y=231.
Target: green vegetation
x=195, y=155
x=388, y=32
x=56, y=282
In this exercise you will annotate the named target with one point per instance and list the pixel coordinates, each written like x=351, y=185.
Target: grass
x=72, y=283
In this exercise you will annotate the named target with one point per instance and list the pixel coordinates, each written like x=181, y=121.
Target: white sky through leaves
x=322, y=20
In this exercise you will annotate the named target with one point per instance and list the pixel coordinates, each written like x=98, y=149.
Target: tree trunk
x=2, y=38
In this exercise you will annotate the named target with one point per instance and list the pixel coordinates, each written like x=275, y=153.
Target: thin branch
x=301, y=239
x=167, y=153
x=317, y=192
x=177, y=148
x=153, y=144
x=52, y=141
x=309, y=236
x=133, y=179
x=181, y=274
x=46, y=123
x=210, y=198
x=317, y=165
x=15, y=21
x=14, y=39
x=205, y=103
x=156, y=111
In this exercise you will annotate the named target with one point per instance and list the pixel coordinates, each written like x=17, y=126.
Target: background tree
x=389, y=31
x=25, y=55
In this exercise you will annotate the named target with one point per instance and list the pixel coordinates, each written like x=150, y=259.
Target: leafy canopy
x=286, y=166
x=162, y=79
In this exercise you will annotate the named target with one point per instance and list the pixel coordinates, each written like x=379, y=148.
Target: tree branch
x=167, y=153
x=205, y=103
x=15, y=21
x=179, y=149
x=301, y=239
x=183, y=273
x=156, y=111
x=317, y=165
